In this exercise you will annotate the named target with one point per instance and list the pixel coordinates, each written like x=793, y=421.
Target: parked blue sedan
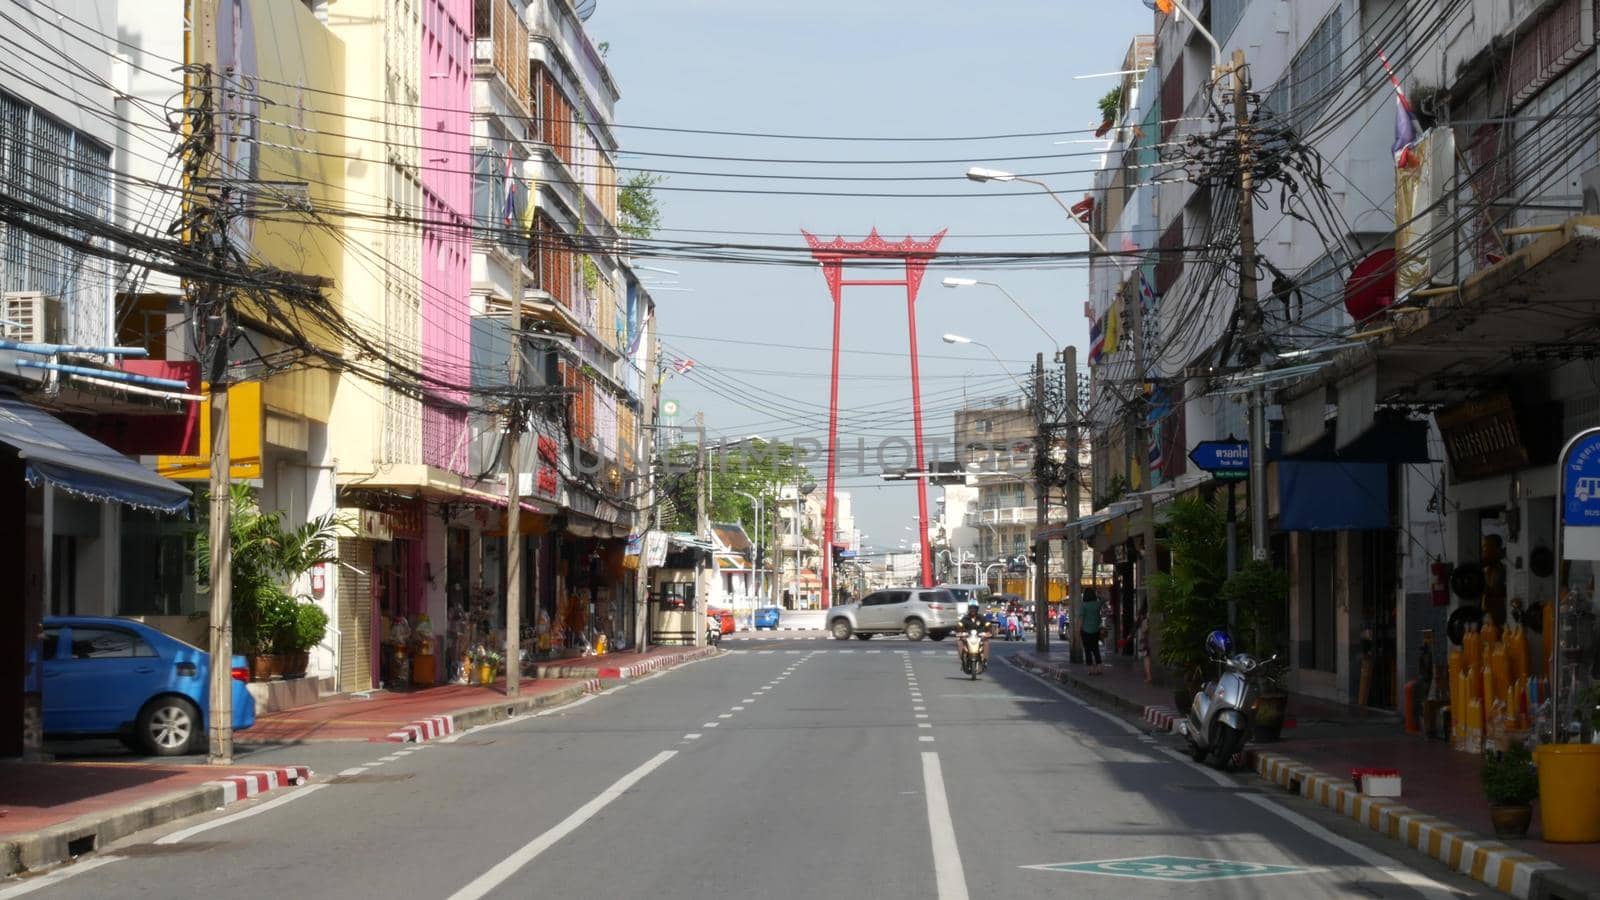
x=118, y=677
x=766, y=617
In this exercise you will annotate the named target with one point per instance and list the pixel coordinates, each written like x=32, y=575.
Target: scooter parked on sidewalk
x=972, y=643
x=1218, y=720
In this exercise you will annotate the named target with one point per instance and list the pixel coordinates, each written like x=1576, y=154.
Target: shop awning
x=1332, y=496
x=59, y=454
x=1537, y=303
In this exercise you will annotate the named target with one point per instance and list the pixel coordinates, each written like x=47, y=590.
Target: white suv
x=917, y=612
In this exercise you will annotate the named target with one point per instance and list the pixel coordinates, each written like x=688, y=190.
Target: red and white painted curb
x=240, y=787
x=661, y=662
x=423, y=730
x=1164, y=718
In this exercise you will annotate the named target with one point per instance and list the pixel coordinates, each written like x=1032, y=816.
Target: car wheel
x=167, y=726
x=860, y=636
x=915, y=630
x=840, y=629
x=938, y=635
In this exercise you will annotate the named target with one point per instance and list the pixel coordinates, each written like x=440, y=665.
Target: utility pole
x=1041, y=513
x=701, y=527
x=213, y=322
x=514, y=422
x=1074, y=544
x=1249, y=306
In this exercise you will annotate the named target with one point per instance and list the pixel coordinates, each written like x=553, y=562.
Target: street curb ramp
x=61, y=843
x=1489, y=862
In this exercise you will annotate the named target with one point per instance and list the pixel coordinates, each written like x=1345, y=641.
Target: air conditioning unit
x=32, y=318
x=1590, y=182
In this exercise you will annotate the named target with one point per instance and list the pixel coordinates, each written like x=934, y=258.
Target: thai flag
x=1097, y=340
x=1405, y=123
x=683, y=366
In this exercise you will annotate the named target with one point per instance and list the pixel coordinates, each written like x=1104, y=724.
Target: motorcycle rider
x=974, y=621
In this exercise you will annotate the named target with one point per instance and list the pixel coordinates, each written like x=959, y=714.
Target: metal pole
x=514, y=495
x=1258, y=473
x=1074, y=543
x=220, y=749
x=924, y=547
x=833, y=446
x=1041, y=512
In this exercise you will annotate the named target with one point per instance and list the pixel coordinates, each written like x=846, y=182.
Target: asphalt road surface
x=791, y=768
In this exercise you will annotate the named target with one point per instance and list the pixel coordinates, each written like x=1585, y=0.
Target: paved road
x=786, y=769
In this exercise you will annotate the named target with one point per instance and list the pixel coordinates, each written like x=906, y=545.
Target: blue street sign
x=847, y=554
x=1225, y=459
x=1172, y=868
x=1580, y=482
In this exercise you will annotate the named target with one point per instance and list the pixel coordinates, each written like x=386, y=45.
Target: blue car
x=104, y=676
x=766, y=617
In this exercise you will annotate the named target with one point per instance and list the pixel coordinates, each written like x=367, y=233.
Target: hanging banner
x=655, y=549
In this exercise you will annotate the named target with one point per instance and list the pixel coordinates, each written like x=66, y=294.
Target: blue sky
x=879, y=68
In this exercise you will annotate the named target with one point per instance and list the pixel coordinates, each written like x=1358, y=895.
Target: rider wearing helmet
x=974, y=621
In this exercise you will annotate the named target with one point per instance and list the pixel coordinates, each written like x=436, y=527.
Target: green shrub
x=1509, y=778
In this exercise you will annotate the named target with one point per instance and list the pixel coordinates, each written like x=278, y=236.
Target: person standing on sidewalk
x=1089, y=628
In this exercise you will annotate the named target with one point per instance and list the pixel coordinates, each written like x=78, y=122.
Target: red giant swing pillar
x=833, y=256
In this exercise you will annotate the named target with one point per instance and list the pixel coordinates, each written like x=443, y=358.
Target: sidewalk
x=50, y=812
x=1441, y=812
x=429, y=713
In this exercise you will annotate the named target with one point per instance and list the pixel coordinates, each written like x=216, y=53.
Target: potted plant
x=1110, y=105
x=1510, y=783
x=1259, y=594
x=310, y=625
x=267, y=559
x=1186, y=602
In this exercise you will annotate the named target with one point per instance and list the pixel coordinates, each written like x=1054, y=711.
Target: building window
x=1314, y=73
x=158, y=565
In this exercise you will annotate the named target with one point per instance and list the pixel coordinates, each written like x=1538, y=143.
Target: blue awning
x=1332, y=496
x=55, y=452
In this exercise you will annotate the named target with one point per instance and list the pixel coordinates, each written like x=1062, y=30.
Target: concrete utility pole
x=1074, y=543
x=1041, y=514
x=702, y=526
x=1249, y=307
x=213, y=312
x=514, y=422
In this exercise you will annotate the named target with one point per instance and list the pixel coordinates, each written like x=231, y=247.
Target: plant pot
x=277, y=664
x=485, y=674
x=296, y=664
x=1511, y=821
x=260, y=666
x=1271, y=710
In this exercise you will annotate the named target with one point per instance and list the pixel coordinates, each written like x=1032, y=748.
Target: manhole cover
x=143, y=850
x=370, y=778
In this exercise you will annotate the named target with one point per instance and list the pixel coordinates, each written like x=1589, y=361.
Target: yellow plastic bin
x=1569, y=792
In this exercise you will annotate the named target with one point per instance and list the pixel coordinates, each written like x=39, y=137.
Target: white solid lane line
x=947, y=871
x=303, y=791
x=492, y=879
x=59, y=875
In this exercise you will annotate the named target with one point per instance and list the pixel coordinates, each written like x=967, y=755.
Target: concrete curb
x=1497, y=865
x=433, y=727
x=593, y=668
x=60, y=843
x=1500, y=866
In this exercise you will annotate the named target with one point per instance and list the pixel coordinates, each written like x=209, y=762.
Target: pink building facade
x=446, y=233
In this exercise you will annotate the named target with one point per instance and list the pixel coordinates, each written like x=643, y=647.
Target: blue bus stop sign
x=1580, y=481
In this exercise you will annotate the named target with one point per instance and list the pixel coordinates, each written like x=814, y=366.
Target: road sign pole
x=1233, y=542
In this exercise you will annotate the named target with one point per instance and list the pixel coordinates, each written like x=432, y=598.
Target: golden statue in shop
x=1494, y=578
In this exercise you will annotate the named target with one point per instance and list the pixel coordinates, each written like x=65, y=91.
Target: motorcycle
x=972, y=663
x=1218, y=720
x=713, y=632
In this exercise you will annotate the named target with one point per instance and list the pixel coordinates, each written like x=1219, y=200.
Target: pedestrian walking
x=1141, y=639
x=1089, y=628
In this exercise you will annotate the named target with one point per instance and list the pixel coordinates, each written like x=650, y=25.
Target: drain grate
x=371, y=778
x=138, y=851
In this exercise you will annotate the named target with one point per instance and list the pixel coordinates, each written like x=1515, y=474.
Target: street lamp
x=953, y=282
x=802, y=490
x=980, y=174
x=958, y=339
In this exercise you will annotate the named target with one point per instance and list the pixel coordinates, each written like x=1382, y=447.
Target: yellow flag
x=1113, y=328
x=530, y=206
